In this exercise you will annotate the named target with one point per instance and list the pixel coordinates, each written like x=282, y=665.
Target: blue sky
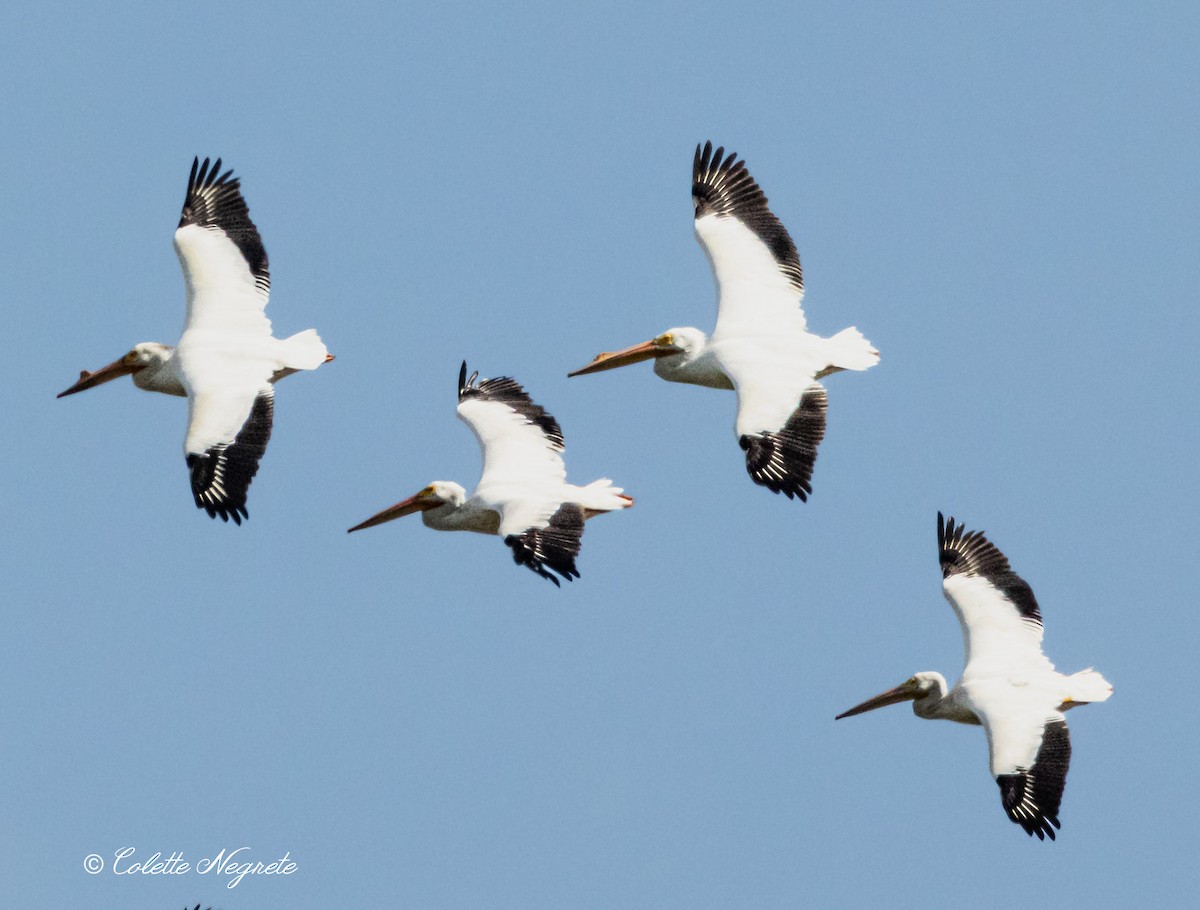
x=1003, y=199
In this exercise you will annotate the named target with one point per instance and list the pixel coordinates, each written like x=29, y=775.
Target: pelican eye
x=665, y=339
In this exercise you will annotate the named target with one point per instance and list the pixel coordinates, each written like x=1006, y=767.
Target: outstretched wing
x=1001, y=622
x=552, y=547
x=523, y=472
x=782, y=460
x=222, y=256
x=1030, y=756
x=754, y=261
x=227, y=439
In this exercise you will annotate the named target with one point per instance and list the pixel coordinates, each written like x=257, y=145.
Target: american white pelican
x=1008, y=685
x=761, y=347
x=227, y=359
x=523, y=494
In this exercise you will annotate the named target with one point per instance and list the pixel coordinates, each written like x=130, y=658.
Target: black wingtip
x=221, y=476
x=706, y=157
x=508, y=391
x=950, y=537
x=552, y=548
x=466, y=384
x=970, y=552
x=783, y=461
x=523, y=555
x=722, y=185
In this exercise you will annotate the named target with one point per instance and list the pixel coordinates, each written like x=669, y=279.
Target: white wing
x=1001, y=622
x=781, y=452
x=222, y=256
x=524, y=478
x=754, y=261
x=228, y=431
x=1030, y=755
x=226, y=354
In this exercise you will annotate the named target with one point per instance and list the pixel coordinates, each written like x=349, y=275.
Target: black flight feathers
x=970, y=553
x=725, y=187
x=216, y=201
x=783, y=461
x=1031, y=797
x=509, y=392
x=552, y=547
x=221, y=476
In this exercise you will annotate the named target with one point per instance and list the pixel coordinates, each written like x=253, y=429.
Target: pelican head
x=144, y=363
x=918, y=688
x=673, y=347
x=433, y=502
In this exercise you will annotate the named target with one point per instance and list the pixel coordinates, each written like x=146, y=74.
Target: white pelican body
x=523, y=495
x=153, y=368
x=1008, y=685
x=761, y=347
x=227, y=359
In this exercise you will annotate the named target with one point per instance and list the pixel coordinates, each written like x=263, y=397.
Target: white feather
x=523, y=477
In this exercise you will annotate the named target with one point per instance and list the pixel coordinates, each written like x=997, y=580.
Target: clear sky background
x=1003, y=198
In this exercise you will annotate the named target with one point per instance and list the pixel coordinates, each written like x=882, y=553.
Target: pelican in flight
x=523, y=494
x=761, y=347
x=1008, y=685
x=227, y=359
